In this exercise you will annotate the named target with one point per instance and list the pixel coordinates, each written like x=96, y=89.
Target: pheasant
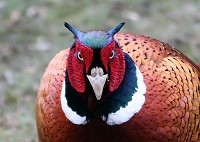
x=111, y=86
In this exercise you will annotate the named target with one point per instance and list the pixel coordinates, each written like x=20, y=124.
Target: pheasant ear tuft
x=78, y=34
x=113, y=31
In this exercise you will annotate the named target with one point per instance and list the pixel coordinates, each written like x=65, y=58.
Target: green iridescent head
x=94, y=38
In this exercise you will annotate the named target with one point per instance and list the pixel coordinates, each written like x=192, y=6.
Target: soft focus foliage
x=32, y=32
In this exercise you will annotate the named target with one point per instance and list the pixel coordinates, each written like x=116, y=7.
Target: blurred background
x=32, y=32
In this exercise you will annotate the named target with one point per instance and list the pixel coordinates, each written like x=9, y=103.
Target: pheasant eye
x=112, y=54
x=80, y=57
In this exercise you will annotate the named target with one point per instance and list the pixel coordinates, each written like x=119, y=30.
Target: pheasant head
x=101, y=78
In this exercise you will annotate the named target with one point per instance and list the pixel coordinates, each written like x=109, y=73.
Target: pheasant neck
x=116, y=108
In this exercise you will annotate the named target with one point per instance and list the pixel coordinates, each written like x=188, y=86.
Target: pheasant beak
x=97, y=80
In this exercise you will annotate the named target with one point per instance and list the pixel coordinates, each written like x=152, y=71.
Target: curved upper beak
x=97, y=80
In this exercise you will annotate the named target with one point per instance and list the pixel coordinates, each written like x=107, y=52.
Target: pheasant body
x=170, y=111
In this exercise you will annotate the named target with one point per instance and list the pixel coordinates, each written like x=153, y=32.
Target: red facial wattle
x=75, y=66
x=116, y=65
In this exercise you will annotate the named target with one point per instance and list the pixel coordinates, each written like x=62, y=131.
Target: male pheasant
x=110, y=86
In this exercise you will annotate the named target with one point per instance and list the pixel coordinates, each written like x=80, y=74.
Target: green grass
x=32, y=32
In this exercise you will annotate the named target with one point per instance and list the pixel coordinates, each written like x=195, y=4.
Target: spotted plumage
x=168, y=110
